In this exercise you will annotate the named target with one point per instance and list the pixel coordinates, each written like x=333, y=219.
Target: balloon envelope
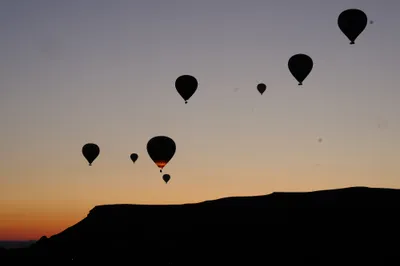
x=90, y=151
x=161, y=149
x=300, y=65
x=134, y=157
x=186, y=86
x=352, y=23
x=261, y=88
x=166, y=178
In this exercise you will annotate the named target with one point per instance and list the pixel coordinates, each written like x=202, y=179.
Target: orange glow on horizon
x=32, y=220
x=33, y=229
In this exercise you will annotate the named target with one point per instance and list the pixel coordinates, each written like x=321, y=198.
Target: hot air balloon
x=186, y=86
x=161, y=149
x=134, y=157
x=261, y=88
x=300, y=65
x=352, y=22
x=166, y=178
x=90, y=151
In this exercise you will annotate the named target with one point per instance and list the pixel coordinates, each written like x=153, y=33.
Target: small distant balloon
x=300, y=65
x=352, y=23
x=186, y=86
x=90, y=151
x=320, y=140
x=166, y=178
x=134, y=157
x=261, y=88
x=161, y=149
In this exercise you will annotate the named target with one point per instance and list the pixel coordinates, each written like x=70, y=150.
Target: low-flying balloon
x=352, y=23
x=186, y=86
x=90, y=151
x=166, y=178
x=261, y=88
x=161, y=149
x=300, y=65
x=134, y=157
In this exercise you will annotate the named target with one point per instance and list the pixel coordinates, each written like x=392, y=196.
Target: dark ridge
x=353, y=225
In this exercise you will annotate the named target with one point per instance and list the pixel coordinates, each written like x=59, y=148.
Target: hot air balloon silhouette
x=161, y=149
x=352, y=23
x=134, y=157
x=166, y=178
x=300, y=65
x=261, y=88
x=90, y=151
x=186, y=86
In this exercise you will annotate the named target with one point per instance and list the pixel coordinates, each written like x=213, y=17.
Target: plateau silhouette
x=350, y=225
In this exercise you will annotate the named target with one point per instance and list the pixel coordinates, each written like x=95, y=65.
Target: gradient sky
x=80, y=71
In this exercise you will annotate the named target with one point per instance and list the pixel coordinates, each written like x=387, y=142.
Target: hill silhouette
x=351, y=225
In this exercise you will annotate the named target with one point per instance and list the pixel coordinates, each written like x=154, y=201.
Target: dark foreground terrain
x=334, y=227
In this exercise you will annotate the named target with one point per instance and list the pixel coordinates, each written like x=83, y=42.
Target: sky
x=79, y=71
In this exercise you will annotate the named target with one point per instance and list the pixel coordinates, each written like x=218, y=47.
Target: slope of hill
x=353, y=225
